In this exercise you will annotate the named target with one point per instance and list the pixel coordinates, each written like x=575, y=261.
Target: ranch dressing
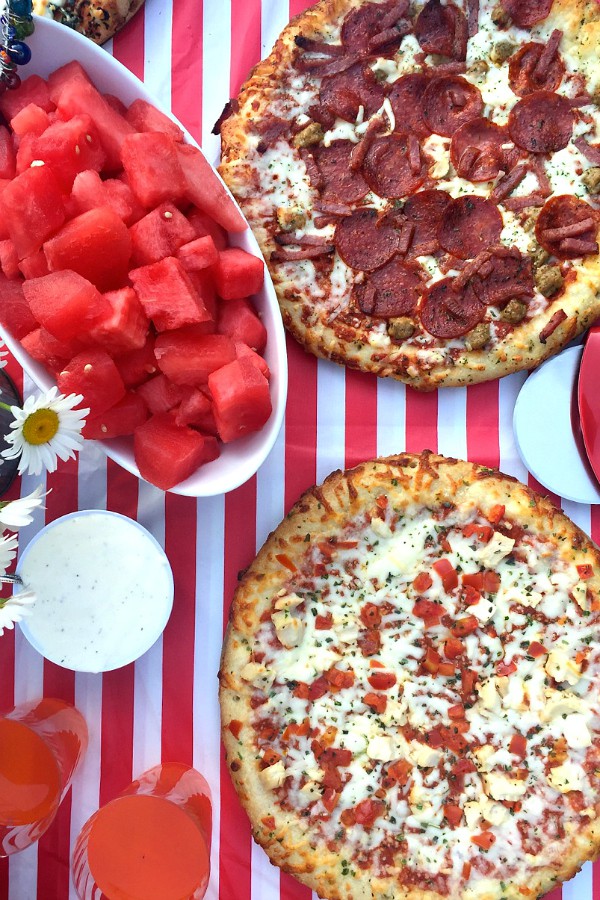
x=104, y=591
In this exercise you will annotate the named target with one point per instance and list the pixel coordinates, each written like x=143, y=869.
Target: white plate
x=545, y=414
x=52, y=45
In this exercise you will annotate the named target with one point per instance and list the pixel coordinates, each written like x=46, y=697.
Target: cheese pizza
x=423, y=180
x=98, y=20
x=410, y=687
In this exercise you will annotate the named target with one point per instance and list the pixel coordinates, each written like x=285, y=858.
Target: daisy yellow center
x=41, y=426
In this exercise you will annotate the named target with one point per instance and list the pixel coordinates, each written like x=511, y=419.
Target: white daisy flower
x=14, y=609
x=3, y=354
x=18, y=513
x=46, y=429
x=8, y=549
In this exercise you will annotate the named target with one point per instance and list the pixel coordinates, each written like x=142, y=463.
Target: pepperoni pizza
x=423, y=179
x=410, y=687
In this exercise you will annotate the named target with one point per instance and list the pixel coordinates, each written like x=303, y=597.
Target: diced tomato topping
x=302, y=691
x=300, y=729
x=324, y=623
x=432, y=660
x=453, y=648
x=367, y=811
x=382, y=681
x=370, y=615
x=447, y=668
x=447, y=573
x=270, y=757
x=348, y=817
x=506, y=668
x=466, y=871
x=382, y=501
x=429, y=611
x=235, y=727
x=376, y=664
x=518, y=745
x=585, y=571
x=268, y=822
x=496, y=513
x=491, y=581
x=457, y=711
x=474, y=580
x=400, y=771
x=336, y=756
x=284, y=559
x=470, y=595
x=445, y=544
x=486, y=838
x=422, y=582
x=377, y=702
x=318, y=688
x=340, y=679
x=481, y=532
x=536, y=649
x=453, y=814
x=468, y=679
x=330, y=799
x=466, y=625
x=435, y=738
x=369, y=642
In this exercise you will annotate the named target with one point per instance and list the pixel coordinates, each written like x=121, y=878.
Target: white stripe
x=265, y=877
x=331, y=418
x=270, y=482
x=157, y=53
x=391, y=417
x=582, y=886
x=452, y=423
x=275, y=16
x=23, y=869
x=216, y=55
x=510, y=461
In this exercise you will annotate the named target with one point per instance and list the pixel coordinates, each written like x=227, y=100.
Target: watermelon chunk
x=159, y=394
x=243, y=351
x=159, y=234
x=15, y=313
x=33, y=90
x=71, y=71
x=25, y=155
x=121, y=198
x=34, y=344
x=90, y=191
x=121, y=419
x=187, y=356
x=70, y=147
x=145, y=117
x=93, y=374
x=125, y=327
x=8, y=158
x=32, y=119
x=96, y=245
x=137, y=366
x=116, y=104
x=152, y=167
x=167, y=453
x=203, y=225
x=195, y=410
x=238, y=319
x=35, y=265
x=65, y=304
x=168, y=296
x=79, y=97
x=9, y=261
x=207, y=191
x=241, y=399
x=32, y=208
x=198, y=254
x=237, y=274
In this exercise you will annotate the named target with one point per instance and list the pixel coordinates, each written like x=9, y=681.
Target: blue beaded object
x=15, y=25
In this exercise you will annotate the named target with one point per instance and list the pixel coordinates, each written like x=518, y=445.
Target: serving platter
x=52, y=45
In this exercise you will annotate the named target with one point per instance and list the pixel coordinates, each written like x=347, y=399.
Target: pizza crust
x=409, y=482
x=99, y=20
x=301, y=302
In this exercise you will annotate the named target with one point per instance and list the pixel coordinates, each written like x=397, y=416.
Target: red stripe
x=596, y=869
x=290, y=889
x=186, y=65
x=235, y=853
x=540, y=489
x=178, y=639
x=298, y=6
x=421, y=421
x=300, y=424
x=361, y=417
x=556, y=894
x=128, y=45
x=246, y=49
x=483, y=442
x=595, y=523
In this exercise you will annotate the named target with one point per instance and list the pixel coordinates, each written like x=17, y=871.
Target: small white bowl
x=104, y=590
x=52, y=45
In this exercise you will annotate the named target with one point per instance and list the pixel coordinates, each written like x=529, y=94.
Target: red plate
x=589, y=398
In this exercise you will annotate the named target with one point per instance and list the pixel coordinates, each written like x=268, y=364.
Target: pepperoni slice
x=393, y=290
x=449, y=102
x=405, y=99
x=442, y=29
x=339, y=181
x=511, y=275
x=355, y=87
x=558, y=227
x=364, y=241
x=476, y=150
x=542, y=122
x=524, y=15
x=469, y=224
x=424, y=210
x=448, y=313
x=362, y=24
x=523, y=78
x=387, y=167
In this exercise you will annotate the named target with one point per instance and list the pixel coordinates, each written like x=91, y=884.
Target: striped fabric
x=193, y=55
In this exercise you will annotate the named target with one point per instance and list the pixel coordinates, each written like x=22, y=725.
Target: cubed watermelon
x=237, y=274
x=137, y=366
x=57, y=80
x=145, y=117
x=204, y=286
x=33, y=90
x=8, y=157
x=93, y=374
x=195, y=410
x=121, y=198
x=188, y=356
x=152, y=167
x=32, y=208
x=9, y=261
x=70, y=147
x=167, y=453
x=241, y=399
x=168, y=296
x=25, y=155
x=159, y=394
x=35, y=265
x=205, y=190
x=34, y=344
x=203, y=225
x=116, y=104
x=198, y=254
x=4, y=182
x=32, y=119
x=90, y=191
x=159, y=234
x=80, y=97
x=243, y=351
x=15, y=313
x=125, y=326
x=65, y=304
x=121, y=419
x=95, y=244
x=238, y=319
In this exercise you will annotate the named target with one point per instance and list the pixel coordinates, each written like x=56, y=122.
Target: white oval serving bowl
x=52, y=45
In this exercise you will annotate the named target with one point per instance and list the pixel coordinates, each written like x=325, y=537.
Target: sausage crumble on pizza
x=423, y=180
x=410, y=687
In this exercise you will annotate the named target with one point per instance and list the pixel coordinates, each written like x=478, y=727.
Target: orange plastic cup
x=41, y=744
x=150, y=843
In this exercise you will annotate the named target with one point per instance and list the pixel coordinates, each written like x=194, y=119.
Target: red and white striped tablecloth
x=193, y=55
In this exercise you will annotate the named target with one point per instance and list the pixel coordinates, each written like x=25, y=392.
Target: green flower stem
x=4, y=405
